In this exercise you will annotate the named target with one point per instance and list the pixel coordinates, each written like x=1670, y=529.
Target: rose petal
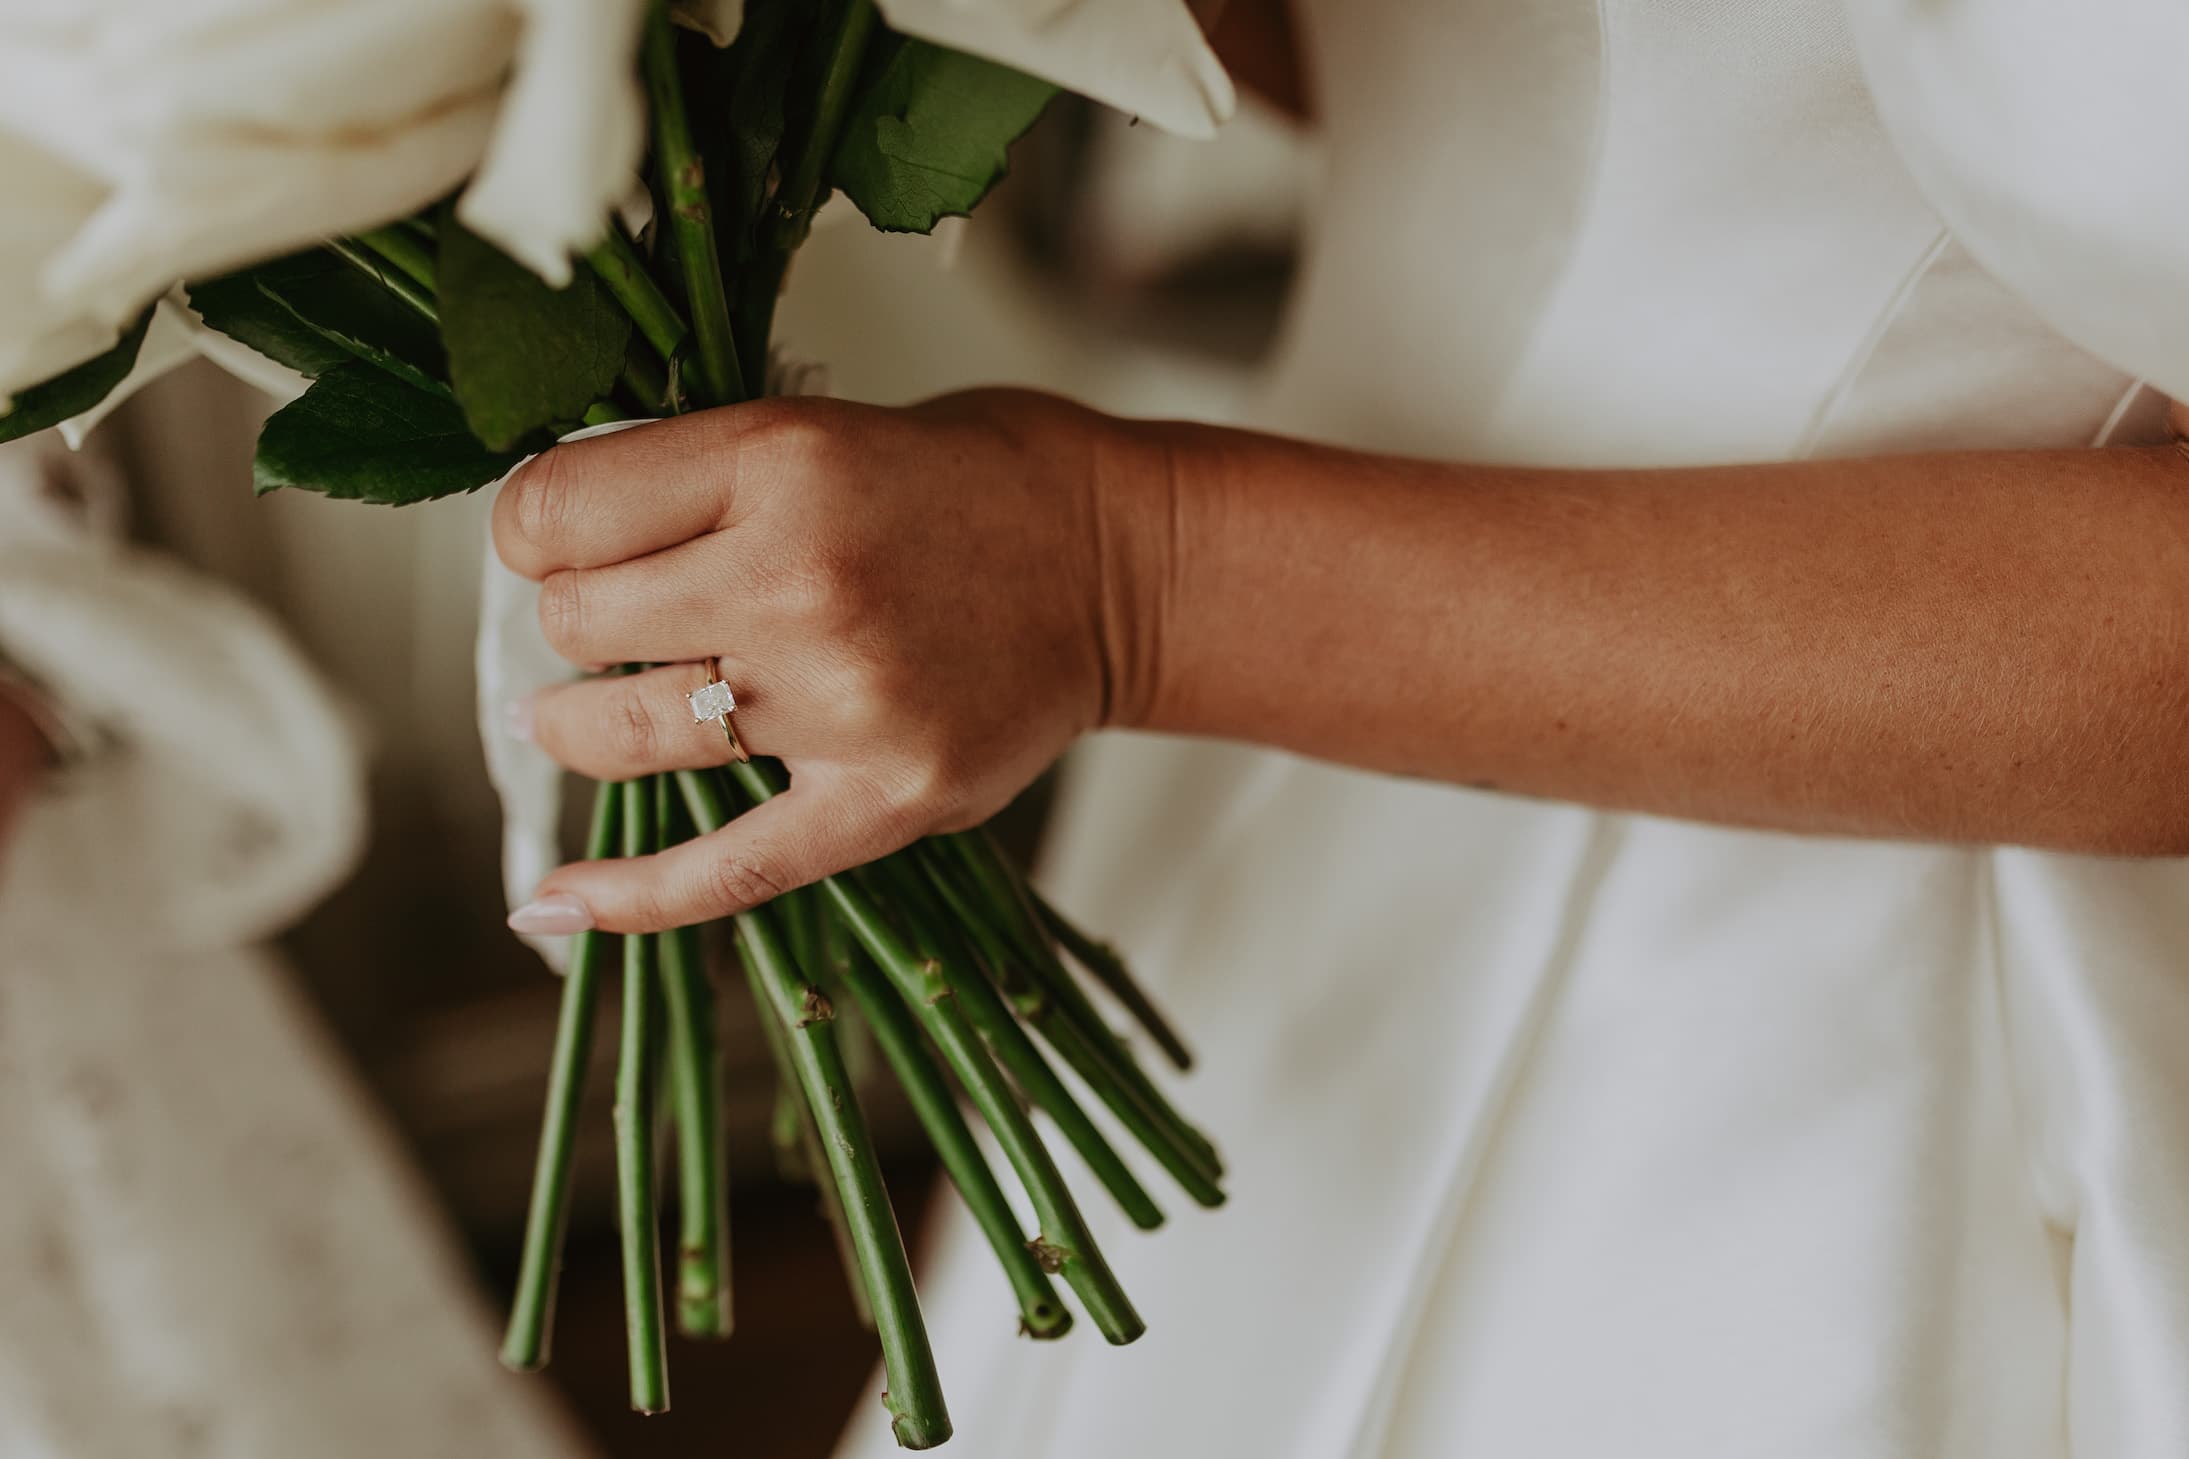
x=1145, y=57
x=571, y=132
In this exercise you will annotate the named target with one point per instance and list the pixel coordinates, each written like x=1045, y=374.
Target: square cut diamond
x=712, y=701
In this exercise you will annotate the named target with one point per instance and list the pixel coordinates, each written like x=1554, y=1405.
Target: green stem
x=913, y=1389
x=1010, y=906
x=645, y=379
x=791, y=217
x=620, y=266
x=1066, y=1245
x=929, y=925
x=400, y=285
x=1111, y=1078
x=713, y=369
x=407, y=252
x=801, y=188
x=635, y=1216
x=786, y=1131
x=1100, y=959
x=1041, y=1314
x=805, y=1139
x=798, y=913
x=532, y=1312
x=695, y=1072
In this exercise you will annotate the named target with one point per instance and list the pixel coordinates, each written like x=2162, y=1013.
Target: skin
x=920, y=609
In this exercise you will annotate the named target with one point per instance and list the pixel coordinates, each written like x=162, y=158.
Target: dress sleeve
x=2053, y=138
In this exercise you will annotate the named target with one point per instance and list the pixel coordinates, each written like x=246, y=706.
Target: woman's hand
x=915, y=609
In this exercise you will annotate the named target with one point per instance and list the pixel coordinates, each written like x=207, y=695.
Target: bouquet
x=454, y=231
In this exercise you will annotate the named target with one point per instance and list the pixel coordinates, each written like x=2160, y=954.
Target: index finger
x=610, y=498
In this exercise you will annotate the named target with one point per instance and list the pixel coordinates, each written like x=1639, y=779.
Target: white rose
x=1144, y=57
x=143, y=142
x=147, y=141
x=47, y=202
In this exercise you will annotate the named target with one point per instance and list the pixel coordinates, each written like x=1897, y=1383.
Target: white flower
x=1145, y=57
x=147, y=141
x=48, y=201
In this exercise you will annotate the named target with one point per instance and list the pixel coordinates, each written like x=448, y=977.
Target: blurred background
x=1138, y=273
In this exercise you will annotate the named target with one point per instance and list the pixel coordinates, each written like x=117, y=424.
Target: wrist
x=1156, y=493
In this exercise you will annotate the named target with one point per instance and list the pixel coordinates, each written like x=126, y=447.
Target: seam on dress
x=1991, y=926
x=2119, y=413
x=1432, y=1253
x=1859, y=362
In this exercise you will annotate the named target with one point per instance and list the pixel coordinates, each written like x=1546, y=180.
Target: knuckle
x=563, y=609
x=828, y=589
x=798, y=437
x=927, y=790
x=963, y=817
x=538, y=500
x=872, y=705
x=633, y=736
x=649, y=908
x=739, y=879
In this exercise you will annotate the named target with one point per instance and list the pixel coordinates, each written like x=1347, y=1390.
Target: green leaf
x=930, y=135
x=759, y=67
x=73, y=392
x=312, y=311
x=362, y=434
x=524, y=358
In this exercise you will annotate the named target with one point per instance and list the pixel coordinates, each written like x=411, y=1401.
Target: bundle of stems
x=960, y=972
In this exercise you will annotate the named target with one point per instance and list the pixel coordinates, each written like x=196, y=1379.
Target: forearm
x=1983, y=647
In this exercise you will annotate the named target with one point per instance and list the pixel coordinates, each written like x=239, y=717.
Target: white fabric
x=1570, y=1135
x=512, y=662
x=208, y=1246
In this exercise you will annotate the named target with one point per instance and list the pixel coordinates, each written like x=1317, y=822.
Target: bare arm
x=1981, y=647
x=921, y=608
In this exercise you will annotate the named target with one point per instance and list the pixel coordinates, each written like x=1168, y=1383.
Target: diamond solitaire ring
x=713, y=700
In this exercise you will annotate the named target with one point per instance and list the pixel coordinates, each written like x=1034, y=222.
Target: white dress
x=210, y=1247
x=1590, y=1136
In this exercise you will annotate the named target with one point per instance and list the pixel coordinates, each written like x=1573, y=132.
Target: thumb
x=808, y=832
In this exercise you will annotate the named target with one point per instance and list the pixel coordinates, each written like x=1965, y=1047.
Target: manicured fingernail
x=555, y=915
x=517, y=718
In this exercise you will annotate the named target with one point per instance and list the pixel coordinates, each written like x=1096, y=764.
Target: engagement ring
x=713, y=700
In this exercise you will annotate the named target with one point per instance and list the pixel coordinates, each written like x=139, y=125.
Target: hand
x=915, y=609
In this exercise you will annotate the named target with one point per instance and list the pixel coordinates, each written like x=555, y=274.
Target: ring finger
x=621, y=726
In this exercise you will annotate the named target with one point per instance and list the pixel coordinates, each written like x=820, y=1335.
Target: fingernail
x=517, y=718
x=557, y=914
